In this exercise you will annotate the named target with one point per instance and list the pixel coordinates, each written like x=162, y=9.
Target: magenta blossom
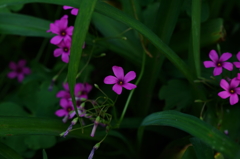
x=66, y=93
x=120, y=80
x=74, y=11
x=60, y=27
x=18, y=70
x=231, y=90
x=85, y=89
x=63, y=50
x=67, y=110
x=218, y=63
x=81, y=90
x=237, y=64
x=67, y=107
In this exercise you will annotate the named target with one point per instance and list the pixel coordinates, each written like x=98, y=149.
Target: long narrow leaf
x=80, y=31
x=8, y=152
x=196, y=127
x=195, y=50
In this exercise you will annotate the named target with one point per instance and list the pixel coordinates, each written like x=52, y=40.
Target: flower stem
x=131, y=93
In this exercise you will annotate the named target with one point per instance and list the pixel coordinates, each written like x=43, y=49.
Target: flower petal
x=237, y=90
x=67, y=7
x=224, y=84
x=26, y=70
x=69, y=30
x=66, y=87
x=54, y=28
x=12, y=75
x=63, y=94
x=234, y=83
x=217, y=71
x=74, y=11
x=64, y=103
x=129, y=86
x=238, y=56
x=224, y=94
x=20, y=77
x=227, y=65
x=117, y=88
x=63, y=23
x=110, y=80
x=12, y=65
x=65, y=57
x=213, y=56
x=88, y=87
x=118, y=72
x=61, y=112
x=129, y=76
x=208, y=64
x=234, y=99
x=237, y=64
x=56, y=40
x=57, y=52
x=225, y=56
x=22, y=63
x=78, y=88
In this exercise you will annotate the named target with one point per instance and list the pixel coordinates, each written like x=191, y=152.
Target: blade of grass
x=196, y=127
x=80, y=31
x=195, y=37
x=8, y=152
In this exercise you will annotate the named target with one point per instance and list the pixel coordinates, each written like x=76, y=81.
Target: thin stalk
x=131, y=93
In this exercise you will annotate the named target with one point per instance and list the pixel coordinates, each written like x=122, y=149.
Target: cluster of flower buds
x=230, y=86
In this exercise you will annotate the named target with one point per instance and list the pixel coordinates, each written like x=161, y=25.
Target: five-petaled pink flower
x=237, y=64
x=60, y=27
x=67, y=110
x=218, y=63
x=74, y=11
x=231, y=90
x=66, y=93
x=120, y=80
x=63, y=50
x=18, y=70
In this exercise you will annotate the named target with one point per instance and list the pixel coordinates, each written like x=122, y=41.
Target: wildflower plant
x=94, y=75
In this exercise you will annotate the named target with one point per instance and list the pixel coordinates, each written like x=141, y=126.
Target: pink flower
x=231, y=90
x=63, y=50
x=237, y=64
x=74, y=11
x=18, y=70
x=218, y=63
x=120, y=80
x=80, y=91
x=60, y=27
x=67, y=107
x=68, y=110
x=85, y=89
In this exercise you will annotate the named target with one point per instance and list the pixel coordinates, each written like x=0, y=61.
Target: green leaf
x=202, y=150
x=212, y=32
x=189, y=153
x=195, y=37
x=196, y=127
x=44, y=154
x=176, y=94
x=17, y=24
x=8, y=153
x=12, y=109
x=81, y=28
x=36, y=142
